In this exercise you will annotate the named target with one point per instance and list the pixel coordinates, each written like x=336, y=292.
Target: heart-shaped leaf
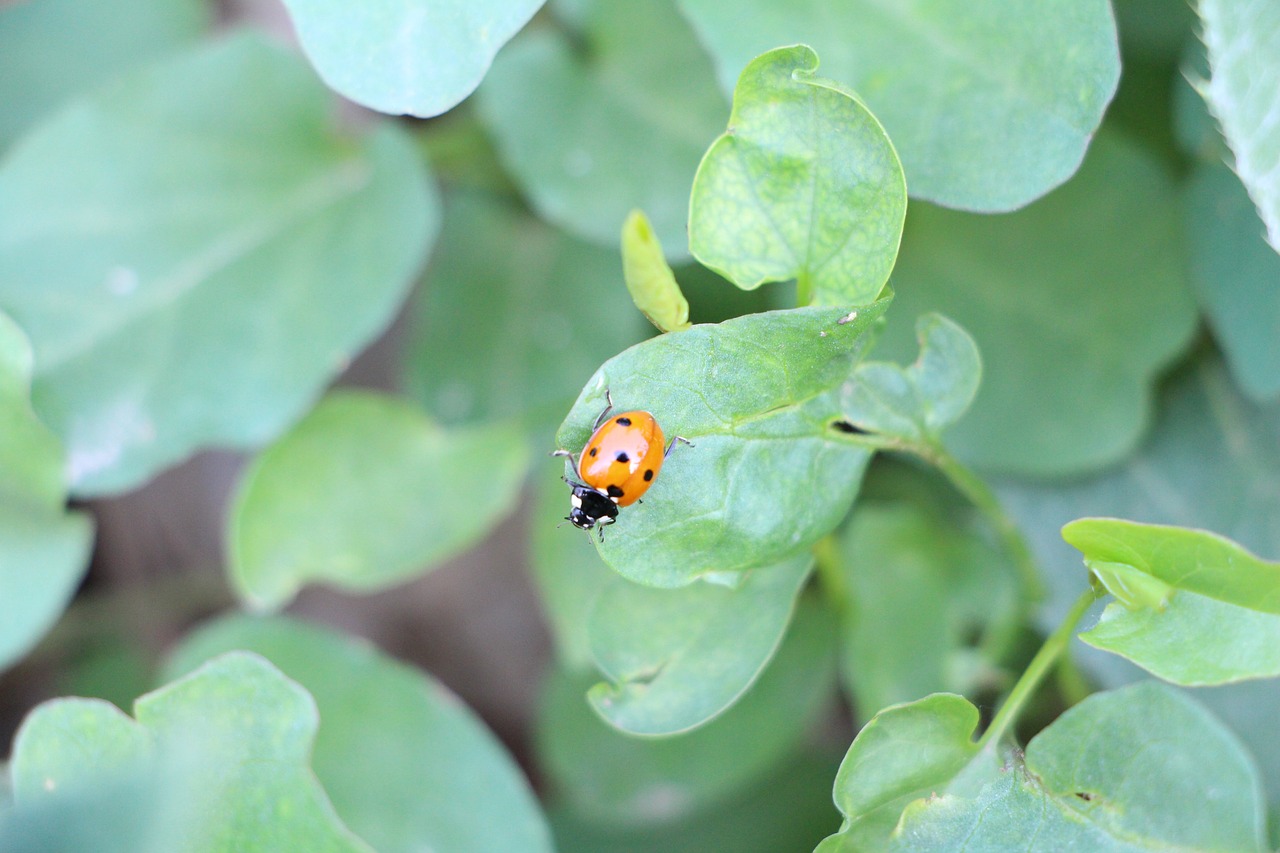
x=991, y=105
x=158, y=238
x=407, y=765
x=420, y=57
x=364, y=493
x=803, y=185
x=769, y=473
x=223, y=755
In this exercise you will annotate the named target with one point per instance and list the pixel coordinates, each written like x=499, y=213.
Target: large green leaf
x=803, y=185
x=612, y=122
x=1076, y=303
x=1141, y=768
x=364, y=493
x=406, y=56
x=195, y=250
x=43, y=550
x=407, y=766
x=54, y=49
x=513, y=316
x=222, y=755
x=1244, y=86
x=679, y=657
x=1236, y=276
x=990, y=104
x=769, y=473
x=609, y=775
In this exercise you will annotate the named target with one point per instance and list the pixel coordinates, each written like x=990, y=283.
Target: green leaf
x=923, y=593
x=1076, y=303
x=406, y=764
x=607, y=119
x=802, y=185
x=1236, y=276
x=1243, y=89
x=990, y=105
x=44, y=551
x=365, y=493
x=195, y=251
x=649, y=278
x=1142, y=768
x=905, y=752
x=513, y=315
x=54, y=49
x=677, y=658
x=755, y=395
x=917, y=402
x=608, y=775
x=406, y=56
x=224, y=752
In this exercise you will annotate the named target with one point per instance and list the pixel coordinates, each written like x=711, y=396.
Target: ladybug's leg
x=608, y=398
x=671, y=444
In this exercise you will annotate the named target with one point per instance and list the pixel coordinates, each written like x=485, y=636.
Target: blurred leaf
x=1236, y=276
x=1153, y=29
x=1195, y=128
x=917, y=402
x=804, y=184
x=922, y=593
x=1141, y=768
x=756, y=396
x=364, y=493
x=406, y=56
x=608, y=775
x=614, y=120
x=407, y=765
x=1075, y=303
x=788, y=811
x=225, y=750
x=1244, y=86
x=990, y=105
x=513, y=316
x=195, y=252
x=649, y=278
x=54, y=49
x=679, y=657
x=44, y=551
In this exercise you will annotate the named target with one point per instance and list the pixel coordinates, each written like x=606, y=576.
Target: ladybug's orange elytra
x=623, y=456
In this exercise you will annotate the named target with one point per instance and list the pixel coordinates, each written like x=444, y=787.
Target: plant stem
x=804, y=290
x=828, y=561
x=1039, y=667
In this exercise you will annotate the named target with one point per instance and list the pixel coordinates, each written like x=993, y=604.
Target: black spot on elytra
x=594, y=451
x=648, y=474
x=623, y=421
x=622, y=456
x=614, y=492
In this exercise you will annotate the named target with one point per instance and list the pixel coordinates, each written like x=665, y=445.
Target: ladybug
x=618, y=464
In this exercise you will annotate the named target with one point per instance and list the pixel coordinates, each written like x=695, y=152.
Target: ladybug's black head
x=590, y=508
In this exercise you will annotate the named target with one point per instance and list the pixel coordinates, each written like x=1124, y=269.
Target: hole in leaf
x=846, y=427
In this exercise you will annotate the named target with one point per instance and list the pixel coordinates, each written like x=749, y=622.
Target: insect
x=618, y=464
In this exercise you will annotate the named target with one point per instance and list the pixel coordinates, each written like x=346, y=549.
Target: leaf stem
x=804, y=289
x=827, y=558
x=1036, y=671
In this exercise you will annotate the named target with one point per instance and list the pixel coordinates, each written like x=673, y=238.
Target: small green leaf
x=677, y=658
x=649, y=278
x=54, y=49
x=609, y=775
x=917, y=402
x=406, y=764
x=364, y=493
x=195, y=250
x=990, y=104
x=1134, y=588
x=609, y=118
x=1142, y=768
x=1194, y=560
x=225, y=752
x=1244, y=59
x=406, y=56
x=802, y=185
x=756, y=396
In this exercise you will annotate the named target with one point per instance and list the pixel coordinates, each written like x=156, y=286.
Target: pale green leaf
x=802, y=185
x=649, y=278
x=367, y=492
